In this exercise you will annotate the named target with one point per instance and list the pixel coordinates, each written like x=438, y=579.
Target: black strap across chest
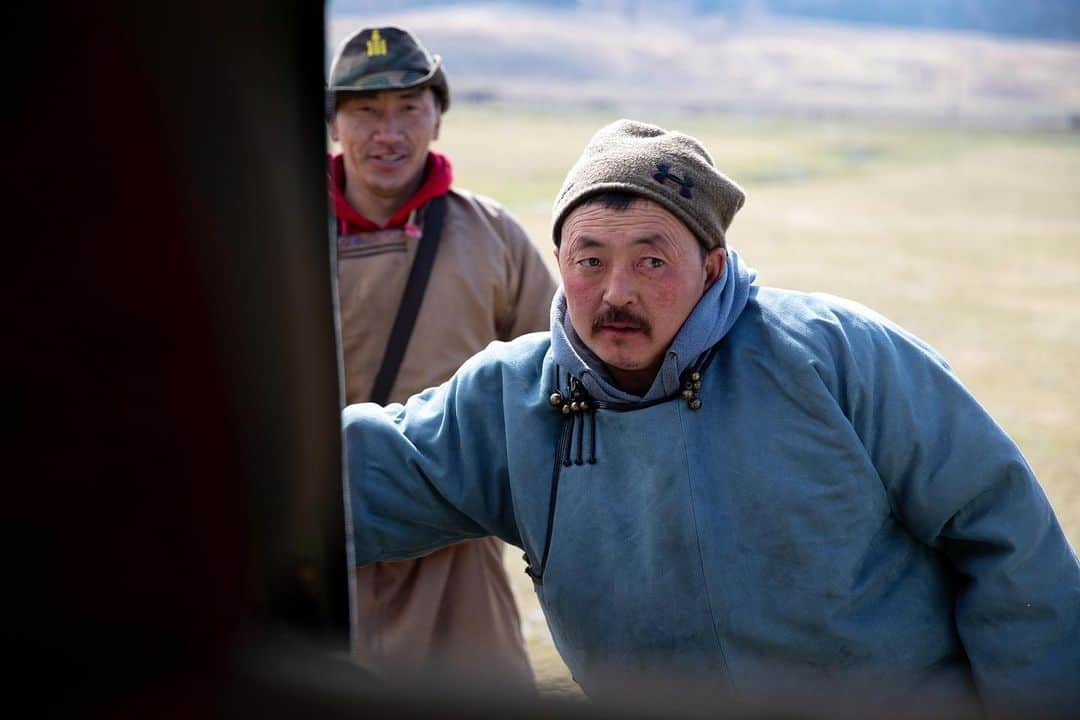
x=405, y=320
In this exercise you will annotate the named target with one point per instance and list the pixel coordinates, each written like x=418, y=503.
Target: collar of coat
x=438, y=175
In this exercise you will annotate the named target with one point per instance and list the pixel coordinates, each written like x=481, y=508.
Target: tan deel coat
x=452, y=610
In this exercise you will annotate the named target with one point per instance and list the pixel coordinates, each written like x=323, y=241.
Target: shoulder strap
x=410, y=302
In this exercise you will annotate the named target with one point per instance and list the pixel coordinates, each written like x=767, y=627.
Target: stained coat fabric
x=839, y=509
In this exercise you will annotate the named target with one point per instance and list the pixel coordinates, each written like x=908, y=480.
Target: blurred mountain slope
x=1052, y=19
x=659, y=58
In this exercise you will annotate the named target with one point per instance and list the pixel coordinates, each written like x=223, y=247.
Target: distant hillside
x=1051, y=19
x=658, y=60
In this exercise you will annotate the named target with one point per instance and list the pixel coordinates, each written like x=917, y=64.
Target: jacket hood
x=709, y=321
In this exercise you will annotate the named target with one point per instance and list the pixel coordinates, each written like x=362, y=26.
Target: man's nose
x=387, y=127
x=619, y=289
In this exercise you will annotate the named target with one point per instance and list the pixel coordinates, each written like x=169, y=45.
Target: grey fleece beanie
x=669, y=168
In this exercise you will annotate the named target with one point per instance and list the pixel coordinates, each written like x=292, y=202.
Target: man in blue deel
x=712, y=479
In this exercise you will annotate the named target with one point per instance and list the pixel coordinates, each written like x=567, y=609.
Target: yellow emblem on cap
x=376, y=45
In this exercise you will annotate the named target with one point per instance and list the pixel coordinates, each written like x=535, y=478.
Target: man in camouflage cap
x=452, y=609
x=748, y=486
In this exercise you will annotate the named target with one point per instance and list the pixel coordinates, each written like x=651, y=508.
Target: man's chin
x=389, y=183
x=386, y=185
x=623, y=363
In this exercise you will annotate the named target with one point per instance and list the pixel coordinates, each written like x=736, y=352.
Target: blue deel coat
x=838, y=506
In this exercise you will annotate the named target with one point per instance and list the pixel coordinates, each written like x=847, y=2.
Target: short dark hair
x=335, y=98
x=617, y=200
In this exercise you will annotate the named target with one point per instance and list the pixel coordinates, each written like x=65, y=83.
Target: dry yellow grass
x=970, y=240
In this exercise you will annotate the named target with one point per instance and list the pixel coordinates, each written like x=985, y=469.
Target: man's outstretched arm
x=432, y=472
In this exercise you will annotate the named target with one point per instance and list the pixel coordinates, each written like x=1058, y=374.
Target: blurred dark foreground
x=173, y=528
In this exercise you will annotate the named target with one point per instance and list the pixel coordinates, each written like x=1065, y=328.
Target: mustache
x=623, y=317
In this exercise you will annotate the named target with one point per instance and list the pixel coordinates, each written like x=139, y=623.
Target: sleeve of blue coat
x=432, y=472
x=960, y=485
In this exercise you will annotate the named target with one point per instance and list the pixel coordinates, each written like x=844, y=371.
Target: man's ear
x=332, y=125
x=714, y=265
x=438, y=124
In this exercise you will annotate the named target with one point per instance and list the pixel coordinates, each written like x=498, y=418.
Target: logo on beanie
x=684, y=183
x=376, y=45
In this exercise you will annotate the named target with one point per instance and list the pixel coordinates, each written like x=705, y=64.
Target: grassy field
x=969, y=239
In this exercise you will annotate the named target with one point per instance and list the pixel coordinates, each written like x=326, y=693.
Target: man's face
x=631, y=279
x=385, y=138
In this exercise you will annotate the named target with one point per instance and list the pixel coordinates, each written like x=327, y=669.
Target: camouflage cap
x=386, y=58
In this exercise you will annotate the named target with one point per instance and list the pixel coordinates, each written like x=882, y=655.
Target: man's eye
x=589, y=262
x=654, y=262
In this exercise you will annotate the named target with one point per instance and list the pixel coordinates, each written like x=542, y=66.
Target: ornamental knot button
x=555, y=399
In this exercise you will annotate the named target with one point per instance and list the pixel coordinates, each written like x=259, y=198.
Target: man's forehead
x=641, y=219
